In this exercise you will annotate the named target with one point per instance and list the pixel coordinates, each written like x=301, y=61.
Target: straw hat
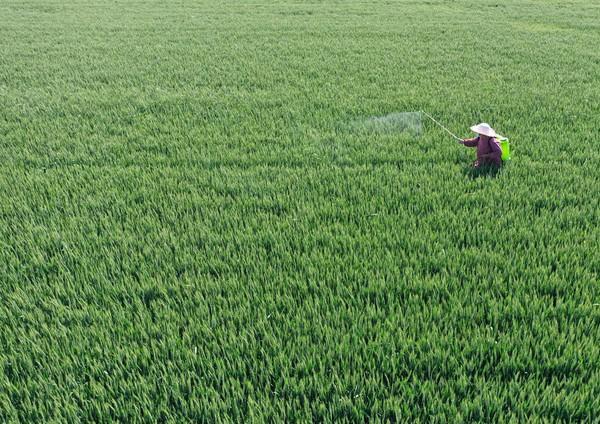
x=484, y=129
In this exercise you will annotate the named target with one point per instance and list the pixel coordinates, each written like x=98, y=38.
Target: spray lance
x=457, y=138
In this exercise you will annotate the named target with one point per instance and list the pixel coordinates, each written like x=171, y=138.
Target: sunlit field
x=193, y=227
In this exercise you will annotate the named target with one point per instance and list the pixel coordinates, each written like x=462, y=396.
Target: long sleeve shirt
x=488, y=153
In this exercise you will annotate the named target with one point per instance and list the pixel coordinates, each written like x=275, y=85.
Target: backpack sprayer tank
x=505, y=147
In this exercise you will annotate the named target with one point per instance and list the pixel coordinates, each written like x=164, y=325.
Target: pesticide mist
x=396, y=122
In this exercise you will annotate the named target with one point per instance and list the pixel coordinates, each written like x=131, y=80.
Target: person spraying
x=489, y=152
x=492, y=148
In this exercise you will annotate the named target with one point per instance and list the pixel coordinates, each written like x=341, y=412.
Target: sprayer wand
x=445, y=129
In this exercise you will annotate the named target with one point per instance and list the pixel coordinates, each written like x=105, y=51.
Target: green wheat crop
x=192, y=228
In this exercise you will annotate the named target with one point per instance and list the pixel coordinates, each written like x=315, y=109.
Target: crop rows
x=193, y=229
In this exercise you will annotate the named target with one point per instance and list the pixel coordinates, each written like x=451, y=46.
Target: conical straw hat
x=484, y=129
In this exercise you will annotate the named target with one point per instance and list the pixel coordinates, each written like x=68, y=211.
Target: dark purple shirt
x=488, y=152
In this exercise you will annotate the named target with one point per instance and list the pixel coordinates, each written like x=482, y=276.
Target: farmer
x=488, y=146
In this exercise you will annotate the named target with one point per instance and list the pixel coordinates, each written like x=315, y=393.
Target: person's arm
x=471, y=142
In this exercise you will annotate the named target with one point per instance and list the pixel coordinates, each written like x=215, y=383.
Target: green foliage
x=190, y=228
